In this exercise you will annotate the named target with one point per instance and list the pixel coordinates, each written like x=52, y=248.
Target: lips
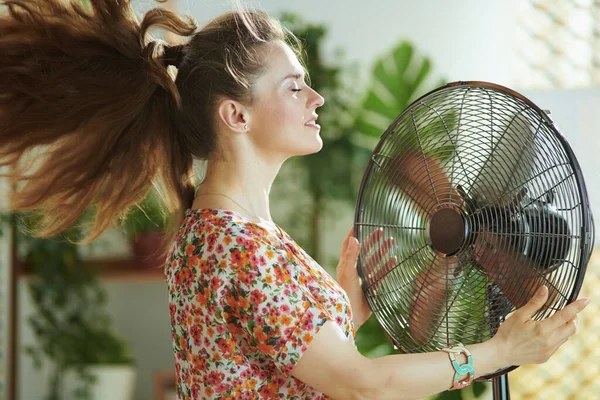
x=312, y=122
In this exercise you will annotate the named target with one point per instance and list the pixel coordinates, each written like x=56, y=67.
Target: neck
x=248, y=184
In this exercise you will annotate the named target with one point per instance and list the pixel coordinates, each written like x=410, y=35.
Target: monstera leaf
x=399, y=77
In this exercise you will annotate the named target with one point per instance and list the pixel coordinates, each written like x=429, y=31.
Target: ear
x=233, y=114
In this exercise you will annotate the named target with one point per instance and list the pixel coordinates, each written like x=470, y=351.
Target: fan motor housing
x=447, y=229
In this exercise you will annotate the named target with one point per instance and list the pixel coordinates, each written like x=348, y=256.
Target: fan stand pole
x=500, y=387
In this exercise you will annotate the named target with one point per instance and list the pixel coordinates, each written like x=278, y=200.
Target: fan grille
x=470, y=181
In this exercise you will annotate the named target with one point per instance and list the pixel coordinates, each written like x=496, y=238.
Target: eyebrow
x=295, y=76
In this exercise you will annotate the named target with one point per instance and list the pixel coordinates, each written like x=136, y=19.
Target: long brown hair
x=90, y=115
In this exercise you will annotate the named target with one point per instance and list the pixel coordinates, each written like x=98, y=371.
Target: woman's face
x=282, y=115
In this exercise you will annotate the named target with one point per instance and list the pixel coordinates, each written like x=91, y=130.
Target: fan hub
x=447, y=230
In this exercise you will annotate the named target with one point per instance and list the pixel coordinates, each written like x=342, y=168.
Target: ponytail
x=89, y=89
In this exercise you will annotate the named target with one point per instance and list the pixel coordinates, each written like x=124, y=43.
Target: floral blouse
x=245, y=304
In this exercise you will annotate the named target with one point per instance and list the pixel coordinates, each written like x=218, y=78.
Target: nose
x=316, y=99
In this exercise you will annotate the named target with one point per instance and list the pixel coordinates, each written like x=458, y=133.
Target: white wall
x=466, y=39
x=575, y=113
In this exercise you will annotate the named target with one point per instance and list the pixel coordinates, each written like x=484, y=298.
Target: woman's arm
x=332, y=365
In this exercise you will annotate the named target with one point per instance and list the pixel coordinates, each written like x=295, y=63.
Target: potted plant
x=145, y=226
x=73, y=331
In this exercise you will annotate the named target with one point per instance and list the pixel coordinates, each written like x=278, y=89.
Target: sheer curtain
x=558, y=44
x=558, y=52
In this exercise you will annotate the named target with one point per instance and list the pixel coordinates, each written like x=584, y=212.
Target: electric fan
x=485, y=203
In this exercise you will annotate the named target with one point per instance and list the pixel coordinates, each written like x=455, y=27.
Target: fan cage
x=486, y=162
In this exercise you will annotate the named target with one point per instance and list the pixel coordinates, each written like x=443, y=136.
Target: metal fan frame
x=587, y=241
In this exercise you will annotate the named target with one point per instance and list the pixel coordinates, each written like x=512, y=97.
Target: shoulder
x=222, y=222
x=206, y=228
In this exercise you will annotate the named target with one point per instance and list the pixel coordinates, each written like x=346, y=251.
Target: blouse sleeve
x=264, y=302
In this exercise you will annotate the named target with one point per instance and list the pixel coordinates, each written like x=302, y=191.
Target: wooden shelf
x=110, y=269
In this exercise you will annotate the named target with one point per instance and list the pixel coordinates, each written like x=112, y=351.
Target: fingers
x=558, y=330
x=373, y=238
x=346, y=258
x=380, y=262
x=344, y=248
x=368, y=245
x=565, y=315
x=376, y=253
x=562, y=335
x=381, y=252
x=352, y=248
x=535, y=303
x=565, y=331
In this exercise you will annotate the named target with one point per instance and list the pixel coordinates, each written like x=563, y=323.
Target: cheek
x=284, y=117
x=293, y=113
x=280, y=114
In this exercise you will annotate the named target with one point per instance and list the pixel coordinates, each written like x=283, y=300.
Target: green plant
x=398, y=78
x=147, y=216
x=72, y=329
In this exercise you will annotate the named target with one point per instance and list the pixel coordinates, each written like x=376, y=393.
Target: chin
x=308, y=145
x=317, y=145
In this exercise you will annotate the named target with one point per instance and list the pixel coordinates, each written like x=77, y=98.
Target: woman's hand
x=347, y=274
x=521, y=340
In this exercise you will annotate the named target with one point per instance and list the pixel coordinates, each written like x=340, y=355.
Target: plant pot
x=147, y=250
x=114, y=382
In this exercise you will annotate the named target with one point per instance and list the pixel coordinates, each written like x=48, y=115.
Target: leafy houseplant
x=70, y=324
x=144, y=225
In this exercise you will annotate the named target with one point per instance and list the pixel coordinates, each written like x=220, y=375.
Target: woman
x=253, y=316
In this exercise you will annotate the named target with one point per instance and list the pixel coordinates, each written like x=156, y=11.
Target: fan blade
x=509, y=164
x=428, y=298
x=514, y=273
x=423, y=179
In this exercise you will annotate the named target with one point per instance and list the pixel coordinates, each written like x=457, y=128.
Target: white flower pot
x=114, y=382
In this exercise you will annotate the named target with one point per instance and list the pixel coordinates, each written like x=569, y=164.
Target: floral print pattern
x=245, y=304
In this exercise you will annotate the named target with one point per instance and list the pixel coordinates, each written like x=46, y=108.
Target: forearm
x=413, y=376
